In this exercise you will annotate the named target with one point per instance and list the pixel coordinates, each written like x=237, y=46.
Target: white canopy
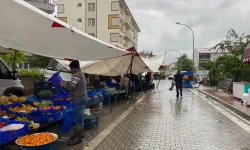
x=155, y=62
x=26, y=28
x=119, y=65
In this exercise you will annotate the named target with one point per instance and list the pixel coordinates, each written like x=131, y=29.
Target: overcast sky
x=210, y=20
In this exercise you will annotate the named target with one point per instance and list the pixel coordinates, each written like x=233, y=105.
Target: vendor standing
x=78, y=91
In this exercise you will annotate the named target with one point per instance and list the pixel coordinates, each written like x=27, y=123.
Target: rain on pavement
x=164, y=122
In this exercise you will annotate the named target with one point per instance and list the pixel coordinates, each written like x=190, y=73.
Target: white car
x=170, y=77
x=9, y=83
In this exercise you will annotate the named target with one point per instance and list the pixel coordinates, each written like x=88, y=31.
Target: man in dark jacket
x=178, y=83
x=78, y=90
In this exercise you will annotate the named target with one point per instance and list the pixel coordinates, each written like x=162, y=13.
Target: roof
x=124, y=4
x=209, y=51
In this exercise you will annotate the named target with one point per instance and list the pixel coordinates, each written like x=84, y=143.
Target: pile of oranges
x=37, y=139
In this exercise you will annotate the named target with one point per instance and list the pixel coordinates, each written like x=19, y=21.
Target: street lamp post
x=193, y=40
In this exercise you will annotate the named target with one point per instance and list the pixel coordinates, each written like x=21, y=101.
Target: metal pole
x=129, y=68
x=193, y=44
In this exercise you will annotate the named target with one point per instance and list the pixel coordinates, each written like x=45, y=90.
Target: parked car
x=170, y=77
x=10, y=84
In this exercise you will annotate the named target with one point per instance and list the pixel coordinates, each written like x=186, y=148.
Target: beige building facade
x=108, y=20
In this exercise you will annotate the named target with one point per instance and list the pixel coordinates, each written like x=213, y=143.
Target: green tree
x=184, y=63
x=234, y=42
x=232, y=66
x=11, y=57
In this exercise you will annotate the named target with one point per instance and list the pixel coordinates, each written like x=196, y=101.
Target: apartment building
x=108, y=20
x=204, y=55
x=47, y=6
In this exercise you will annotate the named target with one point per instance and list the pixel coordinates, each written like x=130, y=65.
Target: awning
x=119, y=65
x=246, y=56
x=154, y=63
x=26, y=28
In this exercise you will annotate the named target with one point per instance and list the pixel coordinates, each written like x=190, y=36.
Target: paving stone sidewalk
x=164, y=122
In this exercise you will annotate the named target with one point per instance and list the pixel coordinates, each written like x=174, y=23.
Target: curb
x=237, y=111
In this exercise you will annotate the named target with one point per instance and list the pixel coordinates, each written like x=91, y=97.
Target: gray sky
x=210, y=20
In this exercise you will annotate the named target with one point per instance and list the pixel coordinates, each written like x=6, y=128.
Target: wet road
x=164, y=122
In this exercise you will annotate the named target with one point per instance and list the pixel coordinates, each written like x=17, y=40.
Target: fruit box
x=21, y=114
x=61, y=99
x=12, y=130
x=91, y=121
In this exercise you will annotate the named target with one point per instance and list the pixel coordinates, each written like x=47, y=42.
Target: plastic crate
x=96, y=99
x=91, y=121
x=41, y=117
x=56, y=81
x=108, y=99
x=21, y=114
x=42, y=84
x=90, y=102
x=68, y=120
x=11, y=135
x=91, y=93
x=58, y=115
x=61, y=99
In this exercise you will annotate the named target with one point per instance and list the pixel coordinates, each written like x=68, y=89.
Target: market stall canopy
x=119, y=65
x=154, y=63
x=116, y=66
x=26, y=28
x=246, y=56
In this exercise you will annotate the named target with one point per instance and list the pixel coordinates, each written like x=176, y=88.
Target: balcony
x=44, y=5
x=128, y=23
x=128, y=36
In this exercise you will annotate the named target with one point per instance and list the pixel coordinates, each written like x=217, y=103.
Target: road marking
x=100, y=137
x=240, y=121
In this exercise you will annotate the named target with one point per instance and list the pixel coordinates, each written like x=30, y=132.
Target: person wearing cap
x=78, y=90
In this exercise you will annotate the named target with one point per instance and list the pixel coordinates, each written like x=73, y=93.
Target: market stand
x=34, y=113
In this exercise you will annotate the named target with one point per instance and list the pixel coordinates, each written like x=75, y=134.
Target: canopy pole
x=129, y=69
x=159, y=80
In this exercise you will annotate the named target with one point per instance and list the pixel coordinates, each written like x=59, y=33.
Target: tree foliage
x=234, y=43
x=10, y=57
x=231, y=65
x=184, y=63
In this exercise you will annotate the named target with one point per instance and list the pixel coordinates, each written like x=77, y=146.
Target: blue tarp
x=188, y=73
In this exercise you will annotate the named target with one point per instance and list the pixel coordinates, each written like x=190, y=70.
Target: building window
x=114, y=21
x=91, y=22
x=64, y=19
x=91, y=6
x=79, y=4
x=79, y=20
x=204, y=56
x=92, y=34
x=60, y=8
x=114, y=37
x=115, y=6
